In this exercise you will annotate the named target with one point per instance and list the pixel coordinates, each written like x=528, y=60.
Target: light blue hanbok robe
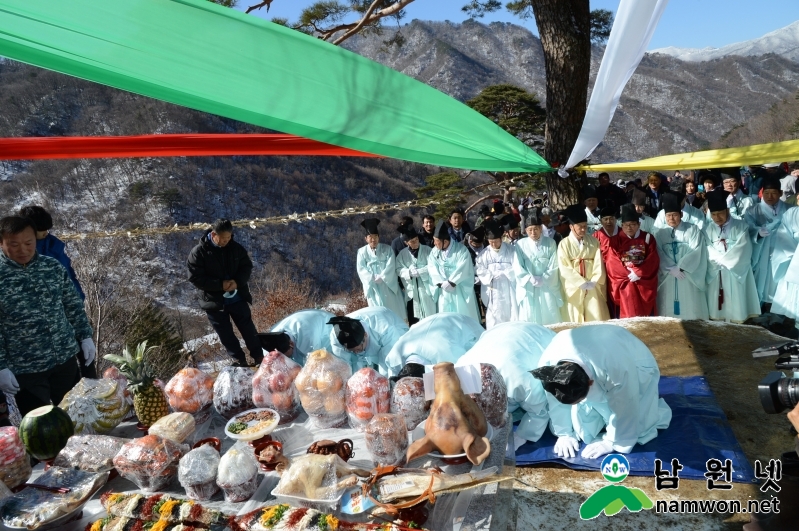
x=729, y=267
x=770, y=218
x=440, y=337
x=383, y=329
x=623, y=398
x=538, y=304
x=309, y=331
x=454, y=265
x=690, y=214
x=683, y=246
x=419, y=289
x=785, y=264
x=387, y=293
x=514, y=349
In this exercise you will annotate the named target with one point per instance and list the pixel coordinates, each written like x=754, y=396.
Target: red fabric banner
x=210, y=145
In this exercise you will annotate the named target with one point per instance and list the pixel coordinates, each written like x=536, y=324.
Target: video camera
x=778, y=392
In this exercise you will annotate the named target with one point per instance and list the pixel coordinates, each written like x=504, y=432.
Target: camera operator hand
x=793, y=416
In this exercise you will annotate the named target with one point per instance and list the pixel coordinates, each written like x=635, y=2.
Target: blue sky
x=686, y=23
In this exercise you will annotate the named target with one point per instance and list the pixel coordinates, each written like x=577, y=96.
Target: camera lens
x=788, y=392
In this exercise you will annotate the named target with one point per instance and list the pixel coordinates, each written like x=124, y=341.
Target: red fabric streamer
x=210, y=145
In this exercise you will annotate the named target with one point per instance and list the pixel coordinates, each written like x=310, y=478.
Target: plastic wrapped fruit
x=273, y=386
x=387, y=439
x=233, y=391
x=190, y=390
x=321, y=387
x=15, y=465
x=407, y=399
x=90, y=453
x=96, y=406
x=176, y=427
x=367, y=395
x=150, y=462
x=238, y=474
x=493, y=399
x=197, y=472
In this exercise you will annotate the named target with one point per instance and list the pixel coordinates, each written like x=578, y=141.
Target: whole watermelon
x=44, y=431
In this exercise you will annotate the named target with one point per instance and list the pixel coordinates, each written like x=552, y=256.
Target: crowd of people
x=712, y=244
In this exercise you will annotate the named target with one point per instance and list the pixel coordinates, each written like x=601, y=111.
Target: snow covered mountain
x=784, y=42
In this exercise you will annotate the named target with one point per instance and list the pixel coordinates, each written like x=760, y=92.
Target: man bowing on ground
x=632, y=265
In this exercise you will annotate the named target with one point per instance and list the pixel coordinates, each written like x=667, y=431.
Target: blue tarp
x=699, y=431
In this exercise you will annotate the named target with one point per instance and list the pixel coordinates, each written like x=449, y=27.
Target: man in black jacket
x=220, y=268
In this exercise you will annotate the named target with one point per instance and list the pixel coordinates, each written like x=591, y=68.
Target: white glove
x=414, y=272
x=632, y=276
x=597, y=449
x=730, y=201
x=763, y=231
x=378, y=279
x=676, y=273
x=421, y=270
x=538, y=281
x=566, y=446
x=446, y=286
x=588, y=286
x=89, y=350
x=8, y=383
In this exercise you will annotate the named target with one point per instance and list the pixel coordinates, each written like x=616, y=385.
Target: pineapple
x=149, y=400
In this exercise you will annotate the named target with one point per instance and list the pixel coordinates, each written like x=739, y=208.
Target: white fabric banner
x=633, y=27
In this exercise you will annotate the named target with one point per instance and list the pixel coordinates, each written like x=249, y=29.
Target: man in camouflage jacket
x=42, y=319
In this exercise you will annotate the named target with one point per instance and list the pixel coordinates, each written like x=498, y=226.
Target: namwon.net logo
x=613, y=498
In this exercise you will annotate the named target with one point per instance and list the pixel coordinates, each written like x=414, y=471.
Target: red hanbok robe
x=639, y=255
x=604, y=248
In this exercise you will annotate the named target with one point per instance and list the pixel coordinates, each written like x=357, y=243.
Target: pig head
x=455, y=424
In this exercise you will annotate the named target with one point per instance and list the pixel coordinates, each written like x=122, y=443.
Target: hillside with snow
x=784, y=42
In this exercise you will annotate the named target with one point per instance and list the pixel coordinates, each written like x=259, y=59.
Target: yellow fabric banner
x=787, y=151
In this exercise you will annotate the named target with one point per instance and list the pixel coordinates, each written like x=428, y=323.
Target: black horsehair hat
x=279, y=341
x=349, y=332
x=370, y=225
x=566, y=381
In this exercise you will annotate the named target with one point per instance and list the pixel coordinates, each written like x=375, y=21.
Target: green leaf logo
x=612, y=499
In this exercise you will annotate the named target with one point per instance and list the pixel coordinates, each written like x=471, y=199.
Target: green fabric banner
x=214, y=59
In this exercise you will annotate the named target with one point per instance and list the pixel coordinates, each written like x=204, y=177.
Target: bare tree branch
x=361, y=23
x=267, y=3
x=474, y=204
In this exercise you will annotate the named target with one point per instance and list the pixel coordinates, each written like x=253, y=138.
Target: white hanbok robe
x=624, y=396
x=309, y=331
x=387, y=293
x=685, y=247
x=440, y=337
x=785, y=264
x=418, y=288
x=383, y=328
x=494, y=268
x=454, y=265
x=729, y=267
x=514, y=349
x=770, y=218
x=538, y=281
